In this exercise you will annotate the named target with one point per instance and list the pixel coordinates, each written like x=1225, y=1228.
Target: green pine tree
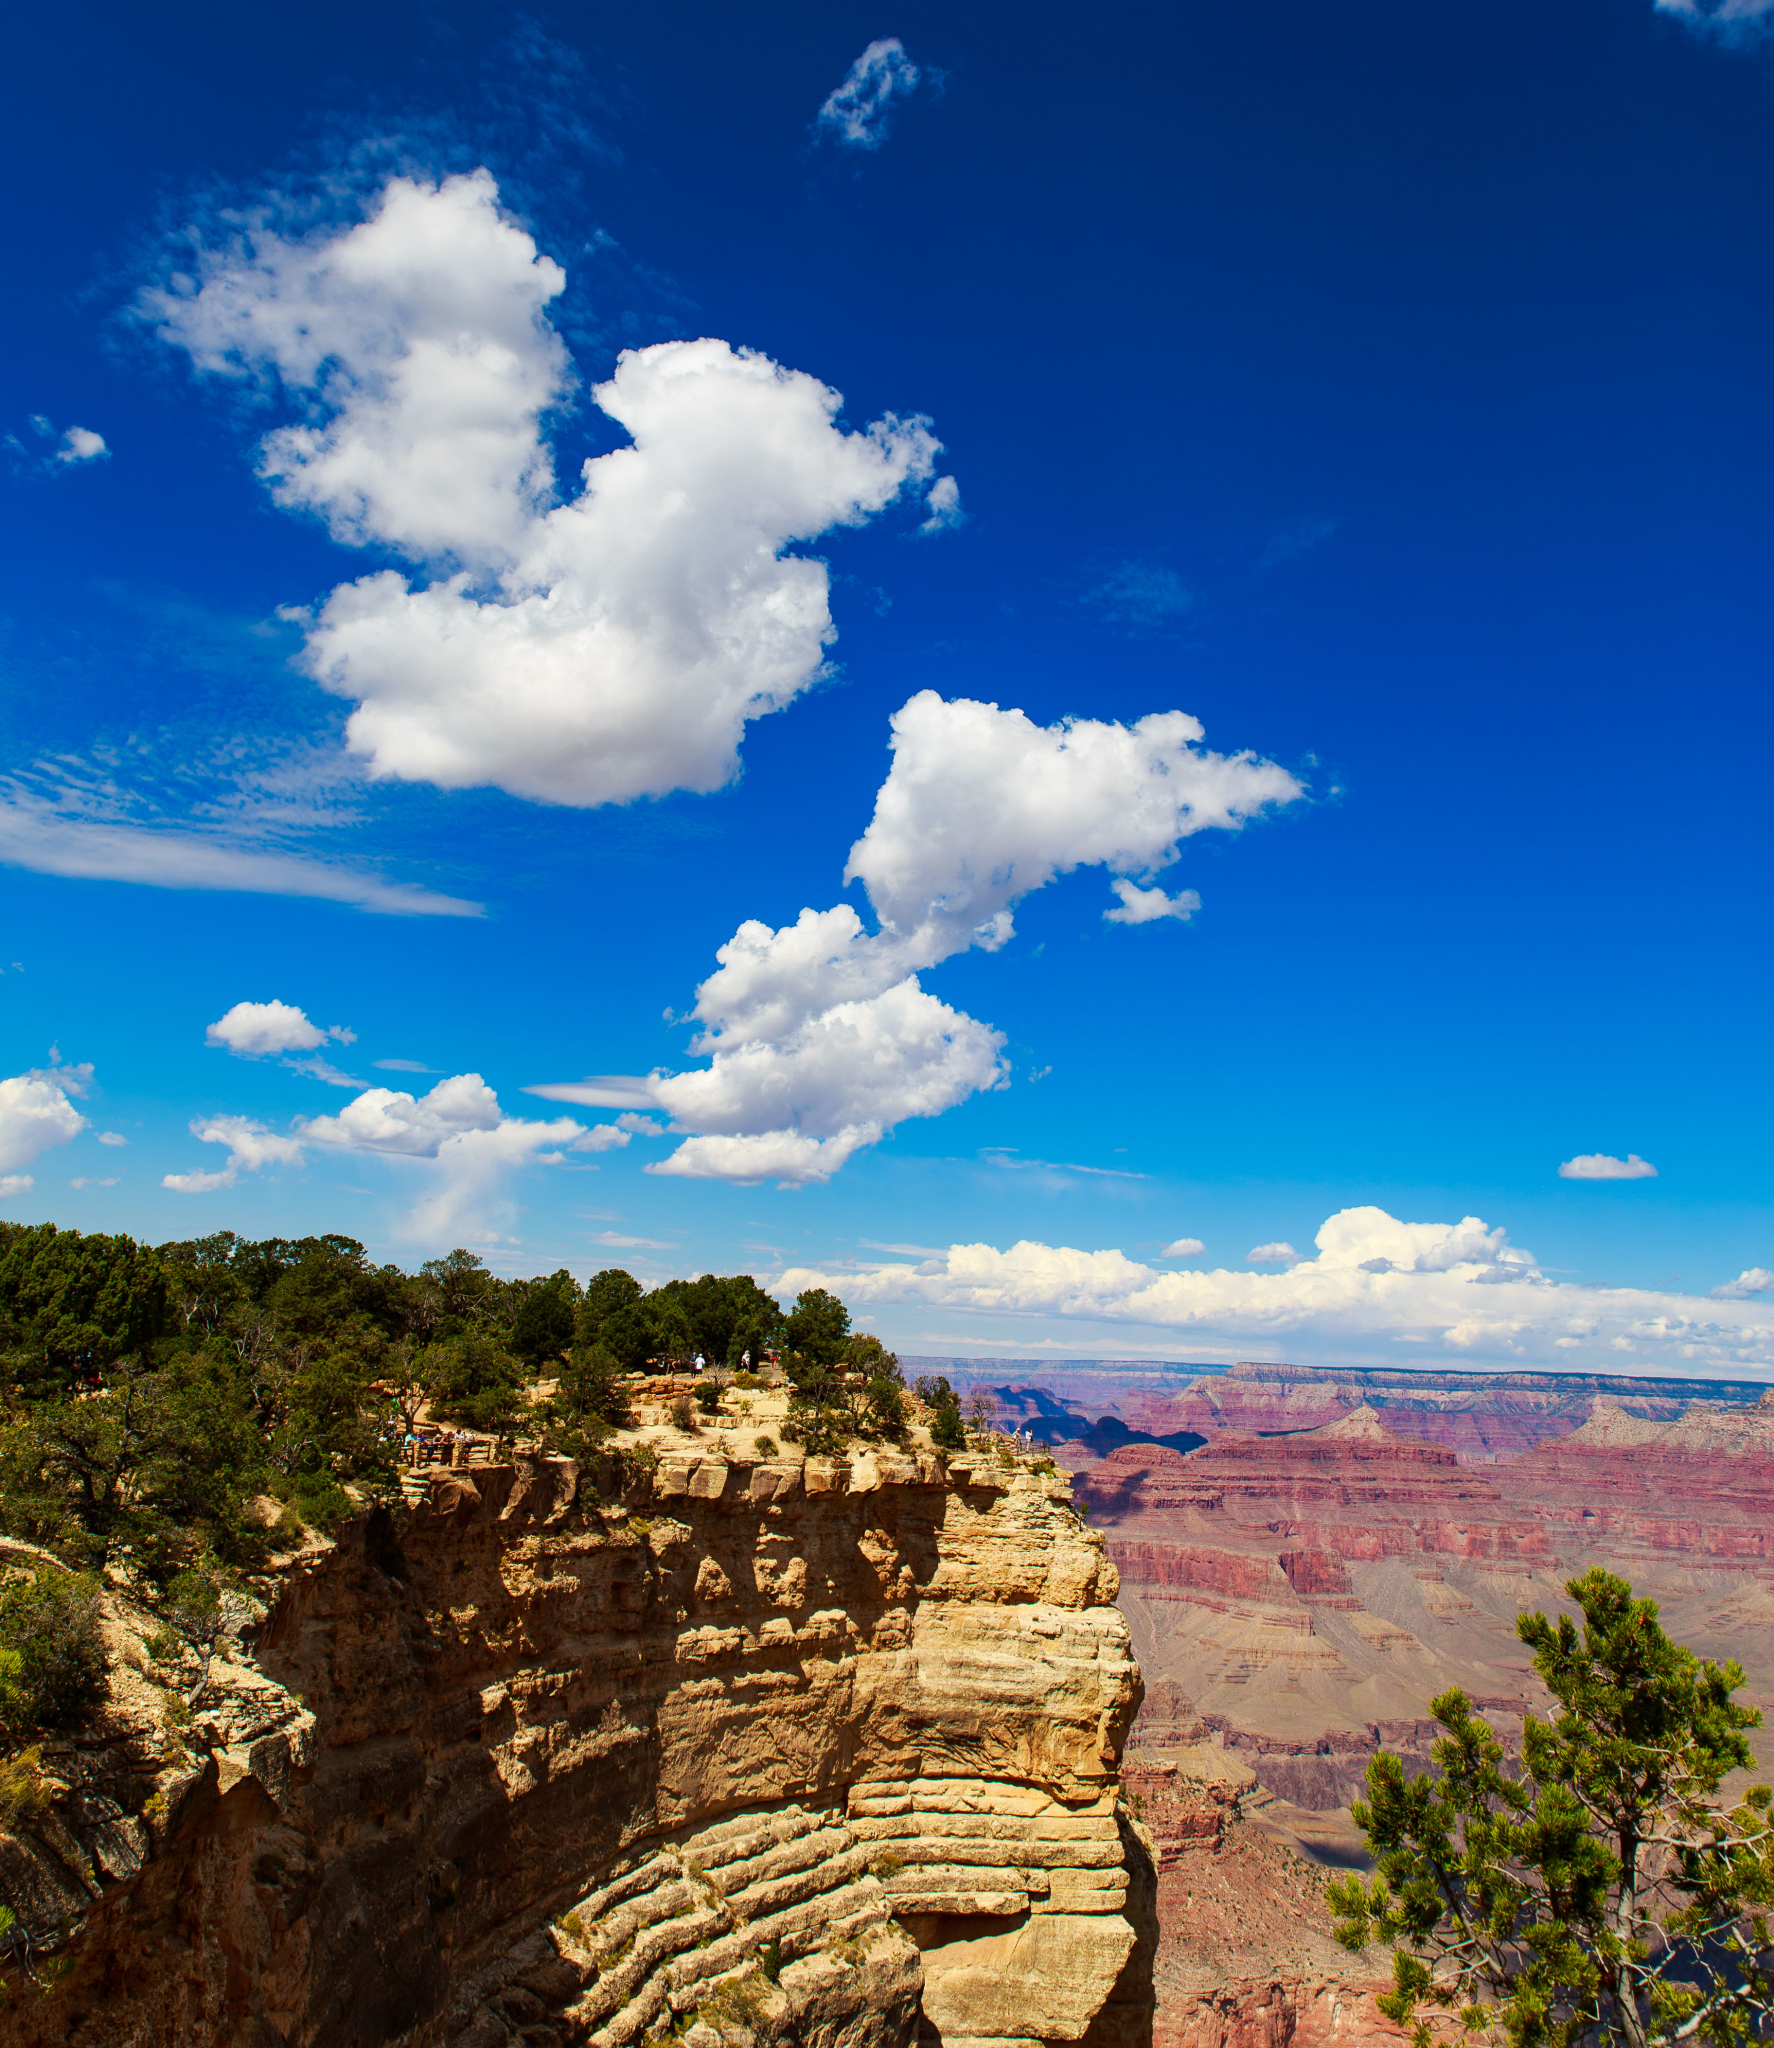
x=1602, y=1892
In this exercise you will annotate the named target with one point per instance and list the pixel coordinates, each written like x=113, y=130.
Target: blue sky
x=1383, y=388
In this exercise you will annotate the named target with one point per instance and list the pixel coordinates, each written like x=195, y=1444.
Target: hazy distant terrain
x=1309, y=1556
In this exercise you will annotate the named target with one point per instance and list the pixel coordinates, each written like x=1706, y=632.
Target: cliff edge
x=683, y=1744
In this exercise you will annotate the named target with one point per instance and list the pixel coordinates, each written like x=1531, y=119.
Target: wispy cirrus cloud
x=857, y=113
x=1143, y=597
x=1726, y=21
x=228, y=823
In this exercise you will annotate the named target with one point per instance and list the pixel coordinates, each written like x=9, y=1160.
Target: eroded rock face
x=1246, y=1956
x=770, y=1753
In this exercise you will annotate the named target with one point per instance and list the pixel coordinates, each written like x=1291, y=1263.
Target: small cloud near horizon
x=1188, y=1248
x=1604, y=1166
x=1280, y=1253
x=1753, y=1280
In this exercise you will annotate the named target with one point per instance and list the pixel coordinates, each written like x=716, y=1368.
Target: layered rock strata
x=741, y=1750
x=1488, y=1418
x=1246, y=1957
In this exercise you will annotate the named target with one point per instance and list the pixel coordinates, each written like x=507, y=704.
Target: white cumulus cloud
x=856, y=112
x=1380, y=1290
x=821, y=1036
x=942, y=503
x=468, y=1145
x=606, y=647
x=1183, y=1248
x=251, y=1030
x=81, y=444
x=1753, y=1280
x=1277, y=1254
x=251, y=1147
x=1141, y=906
x=16, y=1184
x=1603, y=1166
x=78, y=445
x=35, y=1114
x=982, y=806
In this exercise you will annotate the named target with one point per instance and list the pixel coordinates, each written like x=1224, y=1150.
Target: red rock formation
x=1487, y=1418
x=1246, y=1958
x=1316, y=1574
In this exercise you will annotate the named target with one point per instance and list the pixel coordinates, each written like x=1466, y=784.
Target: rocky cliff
x=727, y=1747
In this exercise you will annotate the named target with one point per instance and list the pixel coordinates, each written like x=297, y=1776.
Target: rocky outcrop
x=741, y=1749
x=1246, y=1957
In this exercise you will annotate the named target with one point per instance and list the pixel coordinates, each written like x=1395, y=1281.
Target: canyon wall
x=1488, y=1418
x=737, y=1749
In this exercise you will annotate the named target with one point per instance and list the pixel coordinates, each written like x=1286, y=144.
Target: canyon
x=1308, y=1557
x=706, y=1739
x=698, y=1741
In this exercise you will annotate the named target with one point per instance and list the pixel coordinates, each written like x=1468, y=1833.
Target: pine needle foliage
x=1601, y=1892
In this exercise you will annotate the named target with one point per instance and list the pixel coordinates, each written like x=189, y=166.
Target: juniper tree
x=1603, y=1890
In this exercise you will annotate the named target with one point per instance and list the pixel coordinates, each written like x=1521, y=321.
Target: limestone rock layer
x=737, y=1752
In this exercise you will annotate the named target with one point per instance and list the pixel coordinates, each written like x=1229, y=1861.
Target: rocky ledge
x=684, y=1744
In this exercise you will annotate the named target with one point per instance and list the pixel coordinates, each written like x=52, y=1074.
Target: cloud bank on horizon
x=1379, y=1290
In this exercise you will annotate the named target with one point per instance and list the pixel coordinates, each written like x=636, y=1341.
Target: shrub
x=52, y=1661
x=740, y=2002
x=765, y=1446
x=636, y=1462
x=23, y=1794
x=682, y=1414
x=947, y=1431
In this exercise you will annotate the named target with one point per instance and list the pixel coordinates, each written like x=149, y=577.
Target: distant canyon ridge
x=1308, y=1556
